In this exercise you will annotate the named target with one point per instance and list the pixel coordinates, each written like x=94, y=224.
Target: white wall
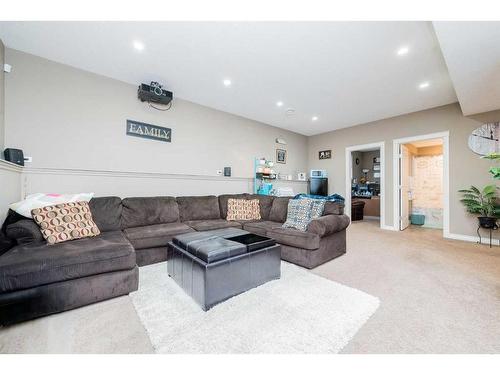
x=133, y=184
x=69, y=119
x=466, y=168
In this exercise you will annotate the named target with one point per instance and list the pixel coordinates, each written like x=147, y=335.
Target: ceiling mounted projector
x=154, y=93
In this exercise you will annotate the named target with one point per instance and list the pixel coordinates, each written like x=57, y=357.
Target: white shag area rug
x=300, y=313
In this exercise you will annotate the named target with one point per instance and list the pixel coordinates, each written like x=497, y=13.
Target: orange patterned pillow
x=243, y=209
x=65, y=221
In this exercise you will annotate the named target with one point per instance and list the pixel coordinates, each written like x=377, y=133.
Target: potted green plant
x=482, y=202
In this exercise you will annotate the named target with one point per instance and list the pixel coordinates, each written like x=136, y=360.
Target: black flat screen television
x=318, y=186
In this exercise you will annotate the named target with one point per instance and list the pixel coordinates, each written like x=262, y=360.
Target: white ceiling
x=346, y=73
x=472, y=54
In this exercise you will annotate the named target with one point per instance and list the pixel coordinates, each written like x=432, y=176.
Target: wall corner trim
x=12, y=167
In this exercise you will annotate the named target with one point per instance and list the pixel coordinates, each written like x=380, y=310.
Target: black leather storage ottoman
x=357, y=210
x=216, y=265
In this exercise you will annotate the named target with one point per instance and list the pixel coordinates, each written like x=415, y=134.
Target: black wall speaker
x=14, y=156
x=227, y=171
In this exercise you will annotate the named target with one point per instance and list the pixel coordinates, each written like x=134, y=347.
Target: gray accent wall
x=67, y=118
x=466, y=168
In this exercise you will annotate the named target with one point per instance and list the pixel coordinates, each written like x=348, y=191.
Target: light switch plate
x=219, y=172
x=28, y=159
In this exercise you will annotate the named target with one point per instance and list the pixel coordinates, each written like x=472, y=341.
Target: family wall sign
x=149, y=131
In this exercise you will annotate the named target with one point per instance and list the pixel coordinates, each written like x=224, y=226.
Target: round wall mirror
x=484, y=140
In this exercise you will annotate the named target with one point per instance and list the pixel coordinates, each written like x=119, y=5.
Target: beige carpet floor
x=437, y=296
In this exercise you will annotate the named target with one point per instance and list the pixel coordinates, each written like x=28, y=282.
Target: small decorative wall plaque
x=280, y=156
x=326, y=154
x=149, y=131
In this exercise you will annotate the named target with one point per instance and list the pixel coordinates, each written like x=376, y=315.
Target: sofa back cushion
x=279, y=209
x=107, y=213
x=265, y=203
x=333, y=208
x=139, y=212
x=243, y=209
x=223, y=202
x=25, y=232
x=199, y=208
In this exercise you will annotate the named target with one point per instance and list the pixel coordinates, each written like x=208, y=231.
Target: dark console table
x=214, y=266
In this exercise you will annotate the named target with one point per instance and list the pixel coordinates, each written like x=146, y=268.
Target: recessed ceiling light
x=403, y=51
x=315, y=118
x=227, y=82
x=279, y=104
x=424, y=85
x=138, y=45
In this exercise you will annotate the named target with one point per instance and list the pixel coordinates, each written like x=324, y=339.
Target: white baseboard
x=464, y=237
x=388, y=227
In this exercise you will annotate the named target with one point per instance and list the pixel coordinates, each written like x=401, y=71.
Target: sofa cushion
x=279, y=209
x=223, y=202
x=154, y=235
x=265, y=203
x=26, y=266
x=333, y=208
x=295, y=238
x=65, y=222
x=107, y=213
x=5, y=243
x=202, y=225
x=199, y=208
x=260, y=227
x=243, y=209
x=139, y=212
x=329, y=224
x=25, y=232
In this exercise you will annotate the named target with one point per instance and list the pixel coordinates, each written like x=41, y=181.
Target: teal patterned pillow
x=318, y=206
x=299, y=214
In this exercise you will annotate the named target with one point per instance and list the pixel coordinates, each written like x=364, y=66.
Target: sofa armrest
x=25, y=232
x=329, y=224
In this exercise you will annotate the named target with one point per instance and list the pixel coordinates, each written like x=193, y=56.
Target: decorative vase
x=487, y=222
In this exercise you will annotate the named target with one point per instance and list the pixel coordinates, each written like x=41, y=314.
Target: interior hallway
x=437, y=296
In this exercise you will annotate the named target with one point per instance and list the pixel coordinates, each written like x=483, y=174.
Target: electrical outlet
x=219, y=172
x=28, y=159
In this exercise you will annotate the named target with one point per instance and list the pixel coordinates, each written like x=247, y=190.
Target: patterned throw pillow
x=299, y=214
x=243, y=209
x=318, y=206
x=65, y=221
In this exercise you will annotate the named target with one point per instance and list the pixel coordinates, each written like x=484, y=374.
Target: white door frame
x=445, y=136
x=348, y=177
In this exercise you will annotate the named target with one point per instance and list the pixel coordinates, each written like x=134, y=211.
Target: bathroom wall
x=427, y=185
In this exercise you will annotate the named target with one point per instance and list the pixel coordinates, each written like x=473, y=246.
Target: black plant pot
x=487, y=222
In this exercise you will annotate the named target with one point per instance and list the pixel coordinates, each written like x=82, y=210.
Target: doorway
x=421, y=182
x=365, y=180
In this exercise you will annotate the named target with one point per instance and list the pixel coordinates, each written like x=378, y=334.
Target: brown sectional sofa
x=37, y=279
